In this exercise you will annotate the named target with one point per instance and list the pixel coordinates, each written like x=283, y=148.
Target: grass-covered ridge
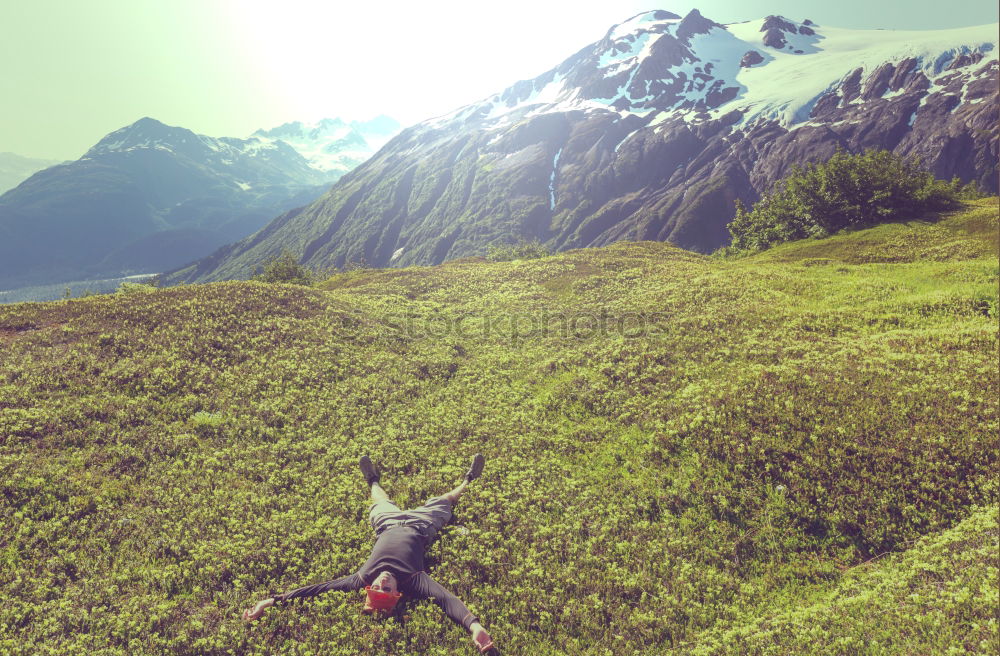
x=688, y=454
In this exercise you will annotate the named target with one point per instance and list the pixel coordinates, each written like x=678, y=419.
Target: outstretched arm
x=343, y=584
x=251, y=614
x=480, y=637
x=423, y=586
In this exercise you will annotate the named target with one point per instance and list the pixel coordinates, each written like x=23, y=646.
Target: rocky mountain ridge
x=651, y=132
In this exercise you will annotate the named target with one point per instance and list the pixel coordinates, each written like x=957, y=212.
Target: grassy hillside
x=791, y=452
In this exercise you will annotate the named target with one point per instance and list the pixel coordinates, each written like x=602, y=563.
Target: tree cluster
x=848, y=190
x=285, y=268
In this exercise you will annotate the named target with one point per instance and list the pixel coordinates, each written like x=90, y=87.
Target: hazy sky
x=74, y=70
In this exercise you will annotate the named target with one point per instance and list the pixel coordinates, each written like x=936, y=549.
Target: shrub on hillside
x=970, y=191
x=133, y=288
x=285, y=268
x=523, y=250
x=206, y=423
x=848, y=190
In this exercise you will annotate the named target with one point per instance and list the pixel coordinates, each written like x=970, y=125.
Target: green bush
x=970, y=191
x=523, y=250
x=818, y=200
x=285, y=268
x=205, y=423
x=133, y=288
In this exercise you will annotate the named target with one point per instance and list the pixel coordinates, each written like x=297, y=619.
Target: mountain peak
x=778, y=22
x=147, y=126
x=146, y=132
x=149, y=135
x=148, y=121
x=644, y=22
x=694, y=23
x=330, y=123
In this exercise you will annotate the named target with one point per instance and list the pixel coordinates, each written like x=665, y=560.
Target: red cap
x=378, y=600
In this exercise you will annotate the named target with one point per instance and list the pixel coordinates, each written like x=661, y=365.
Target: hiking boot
x=477, y=467
x=368, y=470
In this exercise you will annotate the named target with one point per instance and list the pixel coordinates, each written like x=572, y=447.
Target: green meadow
x=792, y=452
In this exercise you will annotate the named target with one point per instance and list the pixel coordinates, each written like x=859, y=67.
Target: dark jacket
x=399, y=550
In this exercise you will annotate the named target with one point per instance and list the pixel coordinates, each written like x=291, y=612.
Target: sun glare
x=412, y=60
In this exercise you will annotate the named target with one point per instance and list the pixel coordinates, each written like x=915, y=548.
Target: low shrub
x=205, y=423
x=133, y=288
x=523, y=250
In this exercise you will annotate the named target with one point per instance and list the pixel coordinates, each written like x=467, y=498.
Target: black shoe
x=477, y=467
x=368, y=470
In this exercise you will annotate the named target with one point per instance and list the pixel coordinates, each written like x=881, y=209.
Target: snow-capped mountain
x=240, y=162
x=652, y=132
x=333, y=145
x=780, y=91
x=146, y=198
x=660, y=66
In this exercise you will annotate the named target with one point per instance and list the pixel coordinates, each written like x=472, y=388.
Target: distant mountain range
x=15, y=169
x=652, y=132
x=333, y=145
x=152, y=197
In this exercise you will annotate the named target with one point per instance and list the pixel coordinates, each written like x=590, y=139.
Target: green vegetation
x=935, y=598
x=847, y=191
x=523, y=250
x=127, y=288
x=285, y=268
x=791, y=452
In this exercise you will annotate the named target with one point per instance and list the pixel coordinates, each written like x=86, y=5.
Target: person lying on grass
x=396, y=564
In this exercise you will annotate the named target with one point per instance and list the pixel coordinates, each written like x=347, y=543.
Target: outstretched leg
x=382, y=507
x=456, y=494
x=372, y=477
x=368, y=470
x=474, y=471
x=378, y=494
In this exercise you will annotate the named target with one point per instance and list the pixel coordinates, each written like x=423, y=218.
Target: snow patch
x=638, y=50
x=640, y=22
x=786, y=88
x=209, y=143
x=627, y=136
x=550, y=94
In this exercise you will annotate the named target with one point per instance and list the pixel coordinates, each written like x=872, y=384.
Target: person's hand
x=481, y=638
x=252, y=614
